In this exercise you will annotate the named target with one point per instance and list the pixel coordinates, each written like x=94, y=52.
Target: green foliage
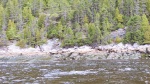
x=41, y=21
x=147, y=36
x=27, y=35
x=145, y=28
x=56, y=31
x=134, y=33
x=118, y=40
x=74, y=22
x=40, y=39
x=68, y=37
x=21, y=43
x=118, y=16
x=94, y=33
x=27, y=14
x=106, y=26
x=91, y=32
x=1, y=15
x=145, y=23
x=129, y=38
x=148, y=5
x=85, y=19
x=134, y=20
x=11, y=30
x=134, y=37
x=120, y=26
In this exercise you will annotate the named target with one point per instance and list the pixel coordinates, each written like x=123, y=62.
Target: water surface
x=77, y=72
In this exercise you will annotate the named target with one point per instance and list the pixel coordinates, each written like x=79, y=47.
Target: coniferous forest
x=74, y=22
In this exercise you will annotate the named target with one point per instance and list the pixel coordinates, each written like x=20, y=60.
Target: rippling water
x=77, y=72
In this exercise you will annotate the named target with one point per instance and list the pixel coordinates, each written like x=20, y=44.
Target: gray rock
x=102, y=57
x=74, y=54
x=111, y=56
x=135, y=56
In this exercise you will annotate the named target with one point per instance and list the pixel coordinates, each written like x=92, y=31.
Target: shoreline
x=111, y=51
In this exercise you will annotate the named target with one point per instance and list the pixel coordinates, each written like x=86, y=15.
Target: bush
x=118, y=40
x=21, y=43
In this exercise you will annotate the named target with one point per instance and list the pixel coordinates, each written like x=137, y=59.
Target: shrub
x=118, y=40
x=21, y=43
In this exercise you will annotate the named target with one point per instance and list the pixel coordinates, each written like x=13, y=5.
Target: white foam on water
x=67, y=83
x=43, y=69
x=126, y=69
x=61, y=73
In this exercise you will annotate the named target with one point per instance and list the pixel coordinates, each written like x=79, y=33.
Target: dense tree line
x=74, y=22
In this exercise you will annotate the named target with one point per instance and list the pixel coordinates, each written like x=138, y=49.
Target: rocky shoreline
x=112, y=51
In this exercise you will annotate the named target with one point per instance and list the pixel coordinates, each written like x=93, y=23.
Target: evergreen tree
x=1, y=15
x=118, y=16
x=41, y=21
x=144, y=24
x=134, y=33
x=11, y=30
x=27, y=14
x=145, y=28
x=147, y=36
x=68, y=37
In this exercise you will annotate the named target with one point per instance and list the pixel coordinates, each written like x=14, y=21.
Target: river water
x=77, y=72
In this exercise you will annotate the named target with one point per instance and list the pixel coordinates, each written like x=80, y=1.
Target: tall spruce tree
x=11, y=30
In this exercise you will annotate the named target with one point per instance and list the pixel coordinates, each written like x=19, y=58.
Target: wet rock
x=102, y=57
x=74, y=54
x=114, y=56
x=135, y=56
x=66, y=54
x=57, y=56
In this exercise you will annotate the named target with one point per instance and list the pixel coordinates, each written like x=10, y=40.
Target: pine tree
x=147, y=36
x=94, y=33
x=1, y=17
x=41, y=20
x=144, y=24
x=145, y=28
x=91, y=32
x=68, y=37
x=38, y=37
x=134, y=33
x=148, y=5
x=27, y=14
x=12, y=6
x=105, y=30
x=148, y=8
x=118, y=16
x=11, y=30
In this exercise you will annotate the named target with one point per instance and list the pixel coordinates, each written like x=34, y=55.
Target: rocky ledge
x=112, y=51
